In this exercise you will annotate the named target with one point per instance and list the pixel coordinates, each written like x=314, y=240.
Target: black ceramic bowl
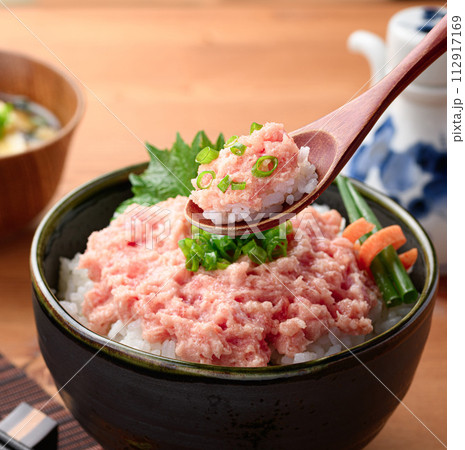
x=127, y=398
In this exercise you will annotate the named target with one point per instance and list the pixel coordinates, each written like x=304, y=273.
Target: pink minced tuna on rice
x=244, y=315
x=293, y=177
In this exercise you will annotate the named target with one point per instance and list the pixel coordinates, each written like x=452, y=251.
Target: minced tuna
x=254, y=174
x=239, y=316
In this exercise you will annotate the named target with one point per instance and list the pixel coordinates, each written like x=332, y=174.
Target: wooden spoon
x=334, y=138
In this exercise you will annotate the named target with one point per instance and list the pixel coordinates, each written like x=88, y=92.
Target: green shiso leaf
x=169, y=172
x=220, y=142
x=168, y=175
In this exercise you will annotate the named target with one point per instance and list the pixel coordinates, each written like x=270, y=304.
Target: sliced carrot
x=408, y=258
x=391, y=235
x=357, y=229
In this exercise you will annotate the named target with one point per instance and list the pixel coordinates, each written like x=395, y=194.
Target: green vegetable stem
x=388, y=272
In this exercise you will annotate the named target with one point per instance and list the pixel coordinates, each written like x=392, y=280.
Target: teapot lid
x=405, y=30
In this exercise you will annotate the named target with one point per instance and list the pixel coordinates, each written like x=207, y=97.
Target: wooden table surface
x=217, y=66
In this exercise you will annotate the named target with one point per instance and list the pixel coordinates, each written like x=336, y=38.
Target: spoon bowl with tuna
x=334, y=138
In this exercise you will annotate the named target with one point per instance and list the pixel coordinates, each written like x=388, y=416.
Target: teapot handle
x=373, y=48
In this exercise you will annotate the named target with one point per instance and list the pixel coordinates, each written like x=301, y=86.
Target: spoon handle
x=350, y=124
x=430, y=48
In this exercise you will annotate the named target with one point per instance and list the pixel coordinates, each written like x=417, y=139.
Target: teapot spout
x=373, y=48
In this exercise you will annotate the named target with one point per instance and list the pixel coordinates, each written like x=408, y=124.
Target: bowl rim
x=137, y=358
x=78, y=113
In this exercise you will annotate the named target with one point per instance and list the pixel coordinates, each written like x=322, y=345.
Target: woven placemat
x=17, y=387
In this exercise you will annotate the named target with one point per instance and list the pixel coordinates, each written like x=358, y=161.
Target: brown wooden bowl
x=30, y=179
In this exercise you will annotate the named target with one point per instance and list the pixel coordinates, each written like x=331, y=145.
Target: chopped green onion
x=198, y=249
x=276, y=240
x=275, y=248
x=200, y=178
x=224, y=184
x=226, y=247
x=239, y=186
x=231, y=140
x=212, y=251
x=255, y=127
x=185, y=245
x=206, y=155
x=249, y=246
x=256, y=253
x=193, y=264
x=200, y=235
x=222, y=264
x=198, y=232
x=257, y=172
x=209, y=261
x=281, y=231
x=289, y=227
x=244, y=239
x=238, y=149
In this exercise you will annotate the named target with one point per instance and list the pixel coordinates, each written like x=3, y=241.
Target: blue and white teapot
x=405, y=155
